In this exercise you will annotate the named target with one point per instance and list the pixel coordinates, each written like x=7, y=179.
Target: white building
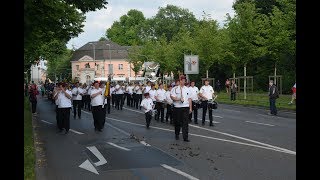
x=38, y=71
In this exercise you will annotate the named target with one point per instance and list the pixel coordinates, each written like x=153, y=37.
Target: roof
x=100, y=50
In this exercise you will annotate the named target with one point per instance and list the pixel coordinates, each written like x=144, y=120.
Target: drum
x=197, y=104
x=212, y=104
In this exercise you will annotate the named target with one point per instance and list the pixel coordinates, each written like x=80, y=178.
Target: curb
x=40, y=158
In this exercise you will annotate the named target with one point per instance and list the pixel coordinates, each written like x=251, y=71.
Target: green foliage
x=170, y=20
x=47, y=21
x=127, y=31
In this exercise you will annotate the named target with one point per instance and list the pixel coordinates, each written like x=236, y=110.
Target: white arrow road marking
x=88, y=166
x=96, y=152
x=120, y=147
x=179, y=172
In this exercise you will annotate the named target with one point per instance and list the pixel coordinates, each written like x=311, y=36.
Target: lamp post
x=94, y=57
x=109, y=60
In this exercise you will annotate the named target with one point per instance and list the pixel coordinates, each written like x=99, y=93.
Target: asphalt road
x=245, y=143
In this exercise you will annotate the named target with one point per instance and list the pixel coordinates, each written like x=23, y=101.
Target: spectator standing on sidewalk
x=293, y=97
x=233, y=90
x=33, y=92
x=273, y=95
x=227, y=84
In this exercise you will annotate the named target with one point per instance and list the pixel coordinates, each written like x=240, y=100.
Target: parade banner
x=191, y=64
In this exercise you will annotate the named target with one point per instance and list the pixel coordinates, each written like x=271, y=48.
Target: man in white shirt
x=64, y=105
x=181, y=97
x=148, y=87
x=206, y=93
x=148, y=106
x=97, y=99
x=129, y=89
x=194, y=97
x=119, y=92
x=160, y=97
x=138, y=89
x=77, y=93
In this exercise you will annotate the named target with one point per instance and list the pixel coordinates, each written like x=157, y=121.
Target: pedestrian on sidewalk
x=233, y=90
x=293, y=96
x=273, y=95
x=33, y=92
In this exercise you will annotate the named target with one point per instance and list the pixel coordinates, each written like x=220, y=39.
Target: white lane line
x=144, y=143
x=246, y=139
x=206, y=120
x=179, y=172
x=259, y=123
x=231, y=110
x=46, y=122
x=77, y=132
x=97, y=153
x=192, y=118
x=246, y=144
x=208, y=137
x=118, y=128
x=120, y=147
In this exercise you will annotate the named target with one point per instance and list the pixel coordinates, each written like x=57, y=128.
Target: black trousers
x=57, y=115
x=64, y=118
x=113, y=99
x=148, y=118
x=98, y=116
x=169, y=113
x=195, y=112
x=138, y=99
x=204, y=111
x=77, y=104
x=160, y=111
x=233, y=96
x=273, y=108
x=108, y=104
x=33, y=106
x=181, y=119
x=119, y=101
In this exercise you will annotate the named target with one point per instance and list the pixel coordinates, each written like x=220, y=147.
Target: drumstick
x=215, y=97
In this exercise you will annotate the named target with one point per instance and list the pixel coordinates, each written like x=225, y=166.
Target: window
x=77, y=67
x=120, y=66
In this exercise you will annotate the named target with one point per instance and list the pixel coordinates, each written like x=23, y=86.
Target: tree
x=47, y=20
x=127, y=31
x=247, y=31
x=281, y=34
x=170, y=19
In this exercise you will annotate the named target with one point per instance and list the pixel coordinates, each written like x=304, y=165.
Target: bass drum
x=197, y=104
x=212, y=105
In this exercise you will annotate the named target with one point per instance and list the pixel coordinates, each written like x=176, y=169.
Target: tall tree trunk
x=275, y=73
x=245, y=82
x=207, y=73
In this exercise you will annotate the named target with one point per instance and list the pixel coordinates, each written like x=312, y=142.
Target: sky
x=97, y=22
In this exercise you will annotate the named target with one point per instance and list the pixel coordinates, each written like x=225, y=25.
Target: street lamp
x=94, y=57
x=109, y=59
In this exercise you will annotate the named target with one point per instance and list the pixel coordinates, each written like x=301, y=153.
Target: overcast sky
x=98, y=22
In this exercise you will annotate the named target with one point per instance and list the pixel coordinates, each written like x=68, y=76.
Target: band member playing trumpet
x=195, y=101
x=160, y=97
x=206, y=94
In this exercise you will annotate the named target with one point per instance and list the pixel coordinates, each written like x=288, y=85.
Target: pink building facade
x=101, y=59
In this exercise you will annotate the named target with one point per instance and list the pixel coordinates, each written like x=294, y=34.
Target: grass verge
x=29, y=151
x=256, y=99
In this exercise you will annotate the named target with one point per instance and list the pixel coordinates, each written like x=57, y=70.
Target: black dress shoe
x=211, y=124
x=195, y=122
x=67, y=131
x=202, y=123
x=186, y=140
